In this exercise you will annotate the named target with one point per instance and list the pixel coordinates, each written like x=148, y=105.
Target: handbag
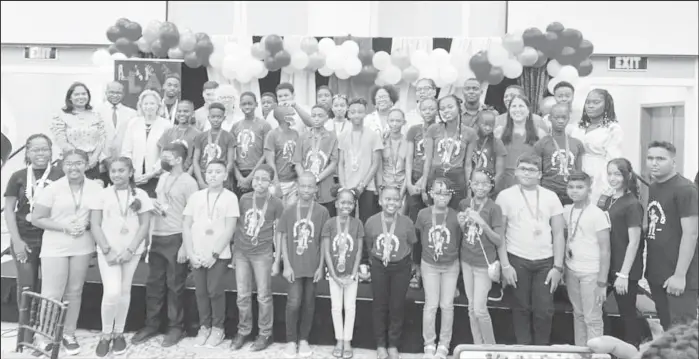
x=493, y=267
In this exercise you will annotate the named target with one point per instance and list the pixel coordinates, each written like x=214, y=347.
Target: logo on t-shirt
x=304, y=230
x=480, y=158
x=253, y=220
x=212, y=151
x=245, y=139
x=386, y=246
x=561, y=163
x=438, y=236
x=448, y=148
x=420, y=148
x=342, y=246
x=288, y=149
x=315, y=162
x=656, y=215
x=473, y=233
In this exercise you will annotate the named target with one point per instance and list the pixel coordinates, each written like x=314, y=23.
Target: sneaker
x=70, y=343
x=429, y=351
x=442, y=352
x=173, y=336
x=215, y=338
x=119, y=344
x=202, y=336
x=103, y=347
x=261, y=343
x=143, y=335
x=381, y=353
x=290, y=350
x=393, y=353
x=305, y=349
x=238, y=341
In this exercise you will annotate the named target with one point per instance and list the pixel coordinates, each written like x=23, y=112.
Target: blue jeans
x=257, y=269
x=439, y=282
x=300, y=307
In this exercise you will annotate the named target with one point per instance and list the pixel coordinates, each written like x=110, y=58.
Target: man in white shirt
x=116, y=117
x=532, y=255
x=286, y=97
x=201, y=115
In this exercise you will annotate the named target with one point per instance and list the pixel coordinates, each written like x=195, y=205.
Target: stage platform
x=322, y=333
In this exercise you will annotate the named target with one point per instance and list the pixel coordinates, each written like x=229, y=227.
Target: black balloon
x=533, y=37
x=274, y=44
x=123, y=45
x=112, y=49
x=114, y=33
x=368, y=74
x=366, y=56
x=282, y=58
x=191, y=60
x=158, y=49
x=122, y=23
x=585, y=68
x=479, y=64
x=585, y=50
x=270, y=64
x=133, y=31
x=495, y=76
x=567, y=56
x=556, y=27
x=541, y=60
x=571, y=37
x=169, y=35
x=201, y=36
x=551, y=46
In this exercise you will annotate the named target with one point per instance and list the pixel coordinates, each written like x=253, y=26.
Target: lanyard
x=218, y=137
x=354, y=153
x=125, y=211
x=261, y=222
x=209, y=209
x=393, y=155
x=388, y=237
x=308, y=215
x=345, y=230
x=479, y=155
x=35, y=187
x=535, y=215
x=79, y=201
x=169, y=189
x=434, y=218
x=571, y=236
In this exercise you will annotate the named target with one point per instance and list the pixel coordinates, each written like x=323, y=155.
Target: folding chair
x=43, y=317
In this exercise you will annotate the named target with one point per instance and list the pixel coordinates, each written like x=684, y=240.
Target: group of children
x=303, y=203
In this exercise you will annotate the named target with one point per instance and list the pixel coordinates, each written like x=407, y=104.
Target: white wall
x=70, y=22
x=617, y=27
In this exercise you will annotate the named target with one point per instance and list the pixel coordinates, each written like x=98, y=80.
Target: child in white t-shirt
x=210, y=219
x=587, y=259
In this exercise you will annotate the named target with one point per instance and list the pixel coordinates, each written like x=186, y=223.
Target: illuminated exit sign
x=40, y=53
x=628, y=63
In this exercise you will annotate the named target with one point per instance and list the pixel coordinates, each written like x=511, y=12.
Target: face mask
x=166, y=166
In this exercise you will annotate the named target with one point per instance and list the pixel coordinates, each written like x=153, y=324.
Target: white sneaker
x=290, y=350
x=215, y=338
x=202, y=336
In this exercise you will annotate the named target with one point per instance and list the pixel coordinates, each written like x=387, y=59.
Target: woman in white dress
x=601, y=134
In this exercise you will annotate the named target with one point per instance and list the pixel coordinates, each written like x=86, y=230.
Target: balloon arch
x=563, y=51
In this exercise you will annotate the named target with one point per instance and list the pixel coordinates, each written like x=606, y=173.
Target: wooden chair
x=43, y=317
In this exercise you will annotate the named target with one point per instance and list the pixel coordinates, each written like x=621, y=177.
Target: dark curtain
x=534, y=81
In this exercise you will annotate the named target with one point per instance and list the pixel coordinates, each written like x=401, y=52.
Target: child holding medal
x=389, y=238
x=254, y=258
x=440, y=235
x=209, y=223
x=300, y=227
x=343, y=238
x=481, y=220
x=23, y=188
x=120, y=217
x=587, y=258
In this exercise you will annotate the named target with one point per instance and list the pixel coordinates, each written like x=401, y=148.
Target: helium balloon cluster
x=161, y=39
x=563, y=51
x=242, y=63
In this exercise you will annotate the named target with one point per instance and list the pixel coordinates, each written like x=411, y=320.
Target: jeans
x=368, y=206
x=414, y=204
x=211, y=297
x=587, y=312
x=389, y=285
x=300, y=307
x=63, y=279
x=166, y=279
x=439, y=282
x=28, y=272
x=674, y=310
x=532, y=296
x=627, y=311
x=477, y=284
x=343, y=297
x=116, y=295
x=257, y=268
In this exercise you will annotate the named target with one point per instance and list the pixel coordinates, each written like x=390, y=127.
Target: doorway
x=661, y=123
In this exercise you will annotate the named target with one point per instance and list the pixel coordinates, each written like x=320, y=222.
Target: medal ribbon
x=529, y=208
x=209, y=209
x=261, y=222
x=387, y=234
x=33, y=188
x=563, y=163
x=125, y=211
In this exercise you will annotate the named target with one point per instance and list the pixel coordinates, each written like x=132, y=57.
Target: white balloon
x=292, y=44
x=381, y=60
x=568, y=73
x=299, y=60
x=262, y=74
x=326, y=45
x=392, y=74
x=119, y=56
x=335, y=60
x=216, y=59
x=353, y=66
x=326, y=71
x=429, y=72
x=497, y=55
x=552, y=84
x=243, y=76
x=419, y=58
x=350, y=47
x=342, y=74
x=101, y=57
x=232, y=48
x=256, y=68
x=553, y=67
x=229, y=67
x=288, y=70
x=440, y=57
x=448, y=74
x=512, y=69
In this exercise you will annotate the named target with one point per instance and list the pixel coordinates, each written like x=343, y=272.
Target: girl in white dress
x=601, y=134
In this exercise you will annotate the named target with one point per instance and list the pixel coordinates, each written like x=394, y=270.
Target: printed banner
x=143, y=74
x=468, y=351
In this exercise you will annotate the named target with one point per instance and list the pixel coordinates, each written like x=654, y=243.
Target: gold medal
x=29, y=217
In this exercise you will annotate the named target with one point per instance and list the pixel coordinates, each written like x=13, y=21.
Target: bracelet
x=559, y=269
x=507, y=267
x=622, y=275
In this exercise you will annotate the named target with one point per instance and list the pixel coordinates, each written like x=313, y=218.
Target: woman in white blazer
x=141, y=141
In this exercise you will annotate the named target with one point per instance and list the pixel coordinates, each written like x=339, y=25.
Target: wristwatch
x=602, y=284
x=559, y=269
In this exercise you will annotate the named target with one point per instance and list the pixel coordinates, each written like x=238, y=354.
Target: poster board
x=143, y=74
x=500, y=351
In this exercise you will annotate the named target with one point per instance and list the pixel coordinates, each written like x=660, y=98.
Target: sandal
x=337, y=351
x=347, y=353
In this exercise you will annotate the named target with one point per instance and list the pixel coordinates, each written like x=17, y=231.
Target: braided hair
x=136, y=204
x=608, y=116
x=458, y=106
x=28, y=143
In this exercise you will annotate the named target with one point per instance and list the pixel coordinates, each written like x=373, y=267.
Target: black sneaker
x=119, y=344
x=173, y=336
x=261, y=343
x=103, y=347
x=70, y=343
x=238, y=341
x=143, y=335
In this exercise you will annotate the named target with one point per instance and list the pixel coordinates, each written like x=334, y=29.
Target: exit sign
x=628, y=63
x=40, y=53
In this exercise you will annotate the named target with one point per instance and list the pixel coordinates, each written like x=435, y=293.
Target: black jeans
x=28, y=272
x=389, y=285
x=368, y=206
x=166, y=281
x=300, y=307
x=211, y=297
x=627, y=311
x=414, y=205
x=674, y=310
x=532, y=296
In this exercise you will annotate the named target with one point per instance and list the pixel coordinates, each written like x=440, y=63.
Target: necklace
x=255, y=224
x=354, y=152
x=571, y=235
x=388, y=238
x=125, y=211
x=393, y=156
x=33, y=188
x=535, y=215
x=211, y=210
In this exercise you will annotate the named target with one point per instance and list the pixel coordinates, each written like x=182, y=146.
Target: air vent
x=40, y=53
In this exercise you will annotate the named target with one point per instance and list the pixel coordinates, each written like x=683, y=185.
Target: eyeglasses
x=528, y=170
x=74, y=164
